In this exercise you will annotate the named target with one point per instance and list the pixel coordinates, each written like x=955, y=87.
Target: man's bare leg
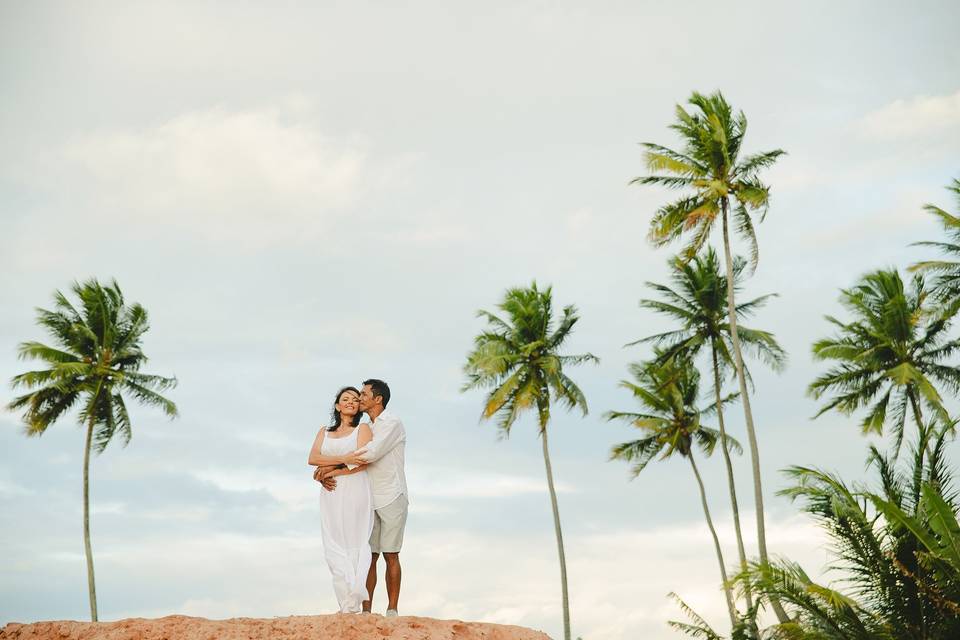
x=371, y=582
x=393, y=579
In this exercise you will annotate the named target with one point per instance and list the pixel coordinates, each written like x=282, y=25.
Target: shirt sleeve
x=386, y=435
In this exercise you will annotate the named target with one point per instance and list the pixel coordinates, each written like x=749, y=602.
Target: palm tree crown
x=669, y=419
x=697, y=302
x=711, y=168
x=518, y=358
x=97, y=359
x=889, y=356
x=947, y=281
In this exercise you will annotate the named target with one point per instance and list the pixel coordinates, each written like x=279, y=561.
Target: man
x=384, y=455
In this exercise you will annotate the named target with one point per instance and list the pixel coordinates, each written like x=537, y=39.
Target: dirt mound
x=332, y=627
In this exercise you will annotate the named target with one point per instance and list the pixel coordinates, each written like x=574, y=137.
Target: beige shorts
x=388, y=525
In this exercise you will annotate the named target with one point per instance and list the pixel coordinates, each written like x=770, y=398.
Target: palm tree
x=670, y=422
x=718, y=183
x=697, y=303
x=888, y=357
x=947, y=282
x=518, y=359
x=898, y=550
x=96, y=362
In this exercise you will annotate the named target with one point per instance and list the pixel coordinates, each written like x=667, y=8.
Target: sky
x=304, y=195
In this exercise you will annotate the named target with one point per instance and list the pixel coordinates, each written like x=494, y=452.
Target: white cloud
x=458, y=485
x=104, y=508
x=10, y=488
x=920, y=115
x=295, y=490
x=218, y=158
x=232, y=178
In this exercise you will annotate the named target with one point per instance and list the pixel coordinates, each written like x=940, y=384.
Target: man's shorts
x=388, y=525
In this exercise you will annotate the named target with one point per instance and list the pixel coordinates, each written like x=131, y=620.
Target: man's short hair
x=379, y=388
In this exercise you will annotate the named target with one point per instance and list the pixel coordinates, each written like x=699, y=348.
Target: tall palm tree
x=671, y=424
x=721, y=183
x=95, y=364
x=889, y=357
x=946, y=285
x=518, y=359
x=697, y=304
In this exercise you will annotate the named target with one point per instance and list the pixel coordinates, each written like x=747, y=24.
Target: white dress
x=346, y=520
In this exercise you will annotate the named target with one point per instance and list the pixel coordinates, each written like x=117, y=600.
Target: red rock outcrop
x=327, y=627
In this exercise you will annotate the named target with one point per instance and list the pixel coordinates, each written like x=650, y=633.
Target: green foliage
x=669, y=418
x=889, y=356
x=946, y=284
x=518, y=358
x=712, y=169
x=744, y=629
x=697, y=627
x=96, y=361
x=697, y=303
x=896, y=548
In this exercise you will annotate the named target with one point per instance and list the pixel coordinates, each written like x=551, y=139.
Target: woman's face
x=348, y=404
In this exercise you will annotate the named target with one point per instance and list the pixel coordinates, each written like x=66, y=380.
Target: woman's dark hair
x=335, y=416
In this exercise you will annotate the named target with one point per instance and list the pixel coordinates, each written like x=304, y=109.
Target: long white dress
x=346, y=520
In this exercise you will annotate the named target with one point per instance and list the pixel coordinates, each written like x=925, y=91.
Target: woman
x=346, y=513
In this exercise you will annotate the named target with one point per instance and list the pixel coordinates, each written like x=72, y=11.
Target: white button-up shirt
x=385, y=456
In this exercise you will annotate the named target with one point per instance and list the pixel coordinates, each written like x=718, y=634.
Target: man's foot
x=392, y=613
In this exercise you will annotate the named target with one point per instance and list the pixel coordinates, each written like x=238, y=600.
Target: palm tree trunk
x=923, y=442
x=747, y=411
x=724, y=448
x=556, y=526
x=716, y=544
x=91, y=586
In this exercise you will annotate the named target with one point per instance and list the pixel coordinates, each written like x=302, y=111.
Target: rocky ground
x=339, y=627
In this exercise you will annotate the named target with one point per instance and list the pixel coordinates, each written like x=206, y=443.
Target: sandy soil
x=340, y=627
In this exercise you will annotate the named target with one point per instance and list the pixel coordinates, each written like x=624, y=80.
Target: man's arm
x=325, y=470
x=386, y=436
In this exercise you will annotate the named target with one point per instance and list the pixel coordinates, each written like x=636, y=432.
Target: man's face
x=366, y=398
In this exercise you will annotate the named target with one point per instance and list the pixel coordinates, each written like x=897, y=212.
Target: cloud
x=921, y=115
x=290, y=489
x=231, y=177
x=481, y=486
x=297, y=494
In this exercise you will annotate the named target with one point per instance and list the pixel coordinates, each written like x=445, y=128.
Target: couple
x=363, y=508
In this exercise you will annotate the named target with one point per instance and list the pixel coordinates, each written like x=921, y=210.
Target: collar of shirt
x=383, y=414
